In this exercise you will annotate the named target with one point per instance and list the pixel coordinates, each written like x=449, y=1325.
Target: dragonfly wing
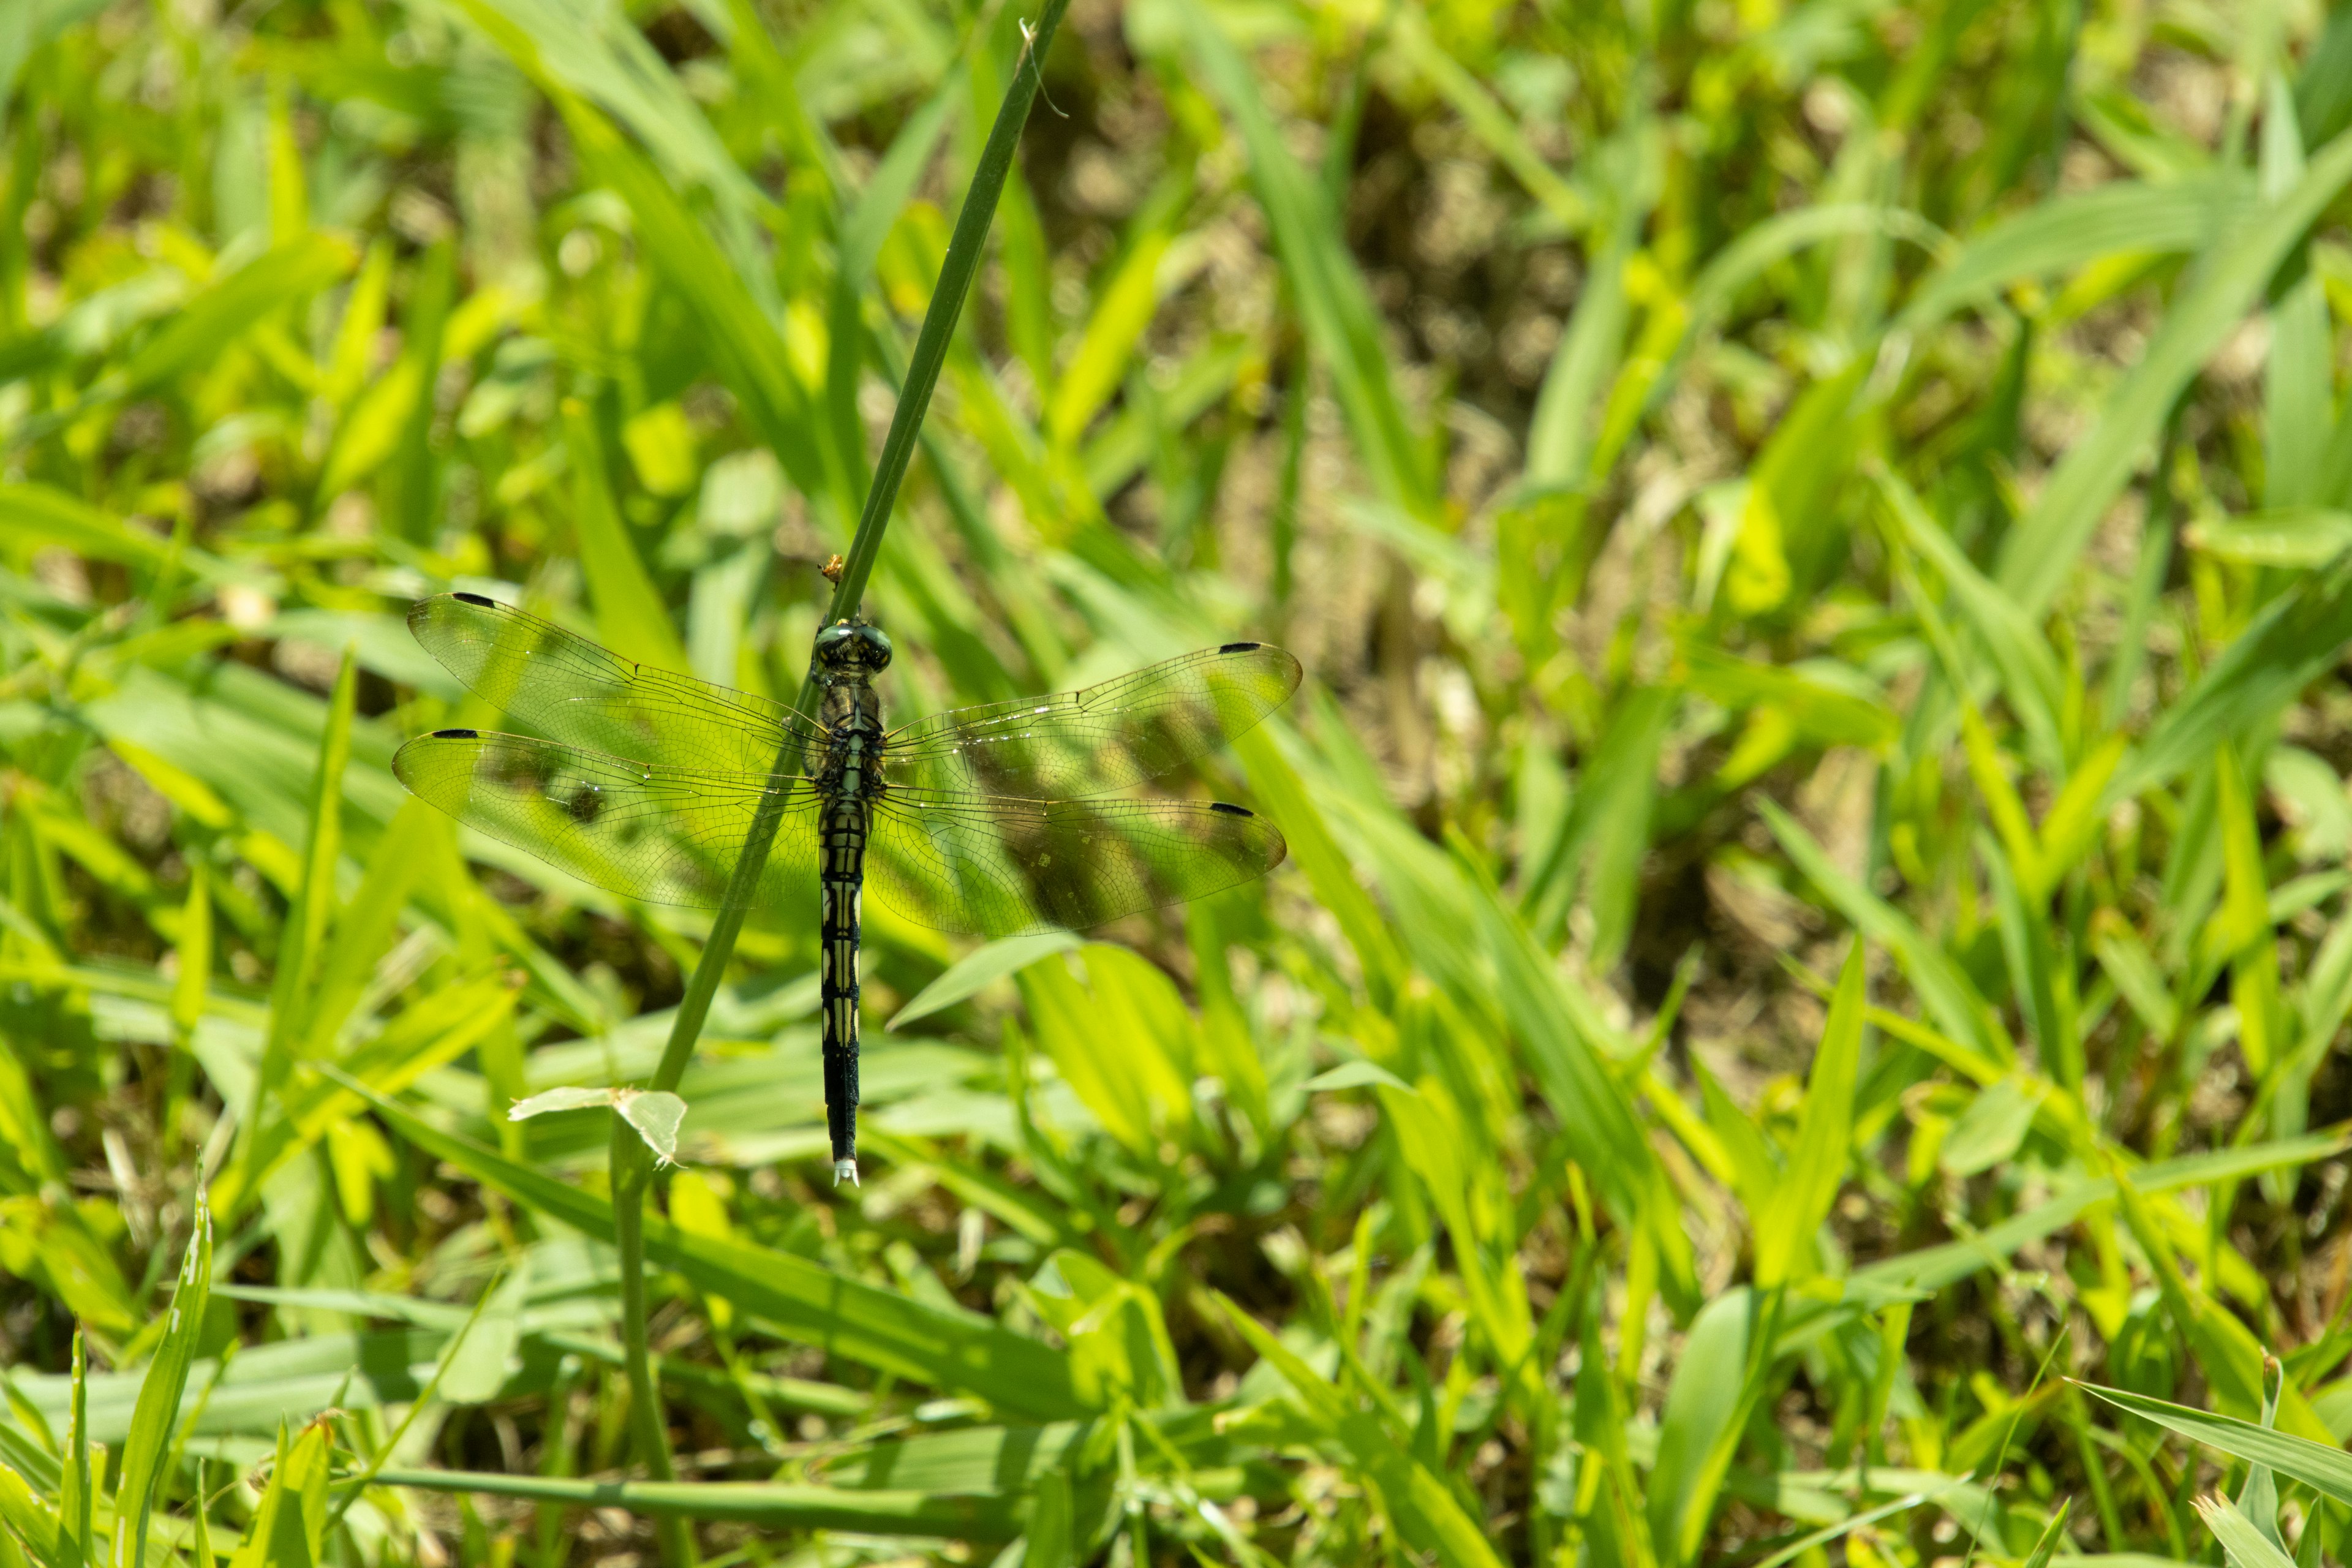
x=658, y=834
x=991, y=866
x=574, y=691
x=1107, y=737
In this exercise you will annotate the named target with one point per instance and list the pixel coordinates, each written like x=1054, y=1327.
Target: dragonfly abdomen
x=842, y=882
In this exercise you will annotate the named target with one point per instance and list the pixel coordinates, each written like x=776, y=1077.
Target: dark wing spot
x=584, y=805
x=476, y=599
x=456, y=734
x=1241, y=647
x=1231, y=810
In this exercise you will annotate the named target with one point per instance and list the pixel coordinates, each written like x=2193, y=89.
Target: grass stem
x=632, y=1161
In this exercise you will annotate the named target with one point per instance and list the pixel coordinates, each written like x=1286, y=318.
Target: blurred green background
x=1818, y=909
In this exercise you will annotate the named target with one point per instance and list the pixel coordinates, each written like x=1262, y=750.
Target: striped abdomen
x=842, y=870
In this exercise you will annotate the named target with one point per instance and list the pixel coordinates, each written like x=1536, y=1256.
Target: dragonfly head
x=852, y=648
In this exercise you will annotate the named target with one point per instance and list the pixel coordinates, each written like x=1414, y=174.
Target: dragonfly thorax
x=848, y=655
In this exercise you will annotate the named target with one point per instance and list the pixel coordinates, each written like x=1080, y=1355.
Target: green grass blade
x=2325, y=1469
x=1784, y=1234
x=157, y=1414
x=631, y=618
x=2241, y=1540
x=2079, y=229
x=767, y=1505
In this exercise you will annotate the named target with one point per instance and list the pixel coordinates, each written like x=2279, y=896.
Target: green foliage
x=1803, y=1015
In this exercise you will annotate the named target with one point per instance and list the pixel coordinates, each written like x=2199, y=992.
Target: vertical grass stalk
x=632, y=1161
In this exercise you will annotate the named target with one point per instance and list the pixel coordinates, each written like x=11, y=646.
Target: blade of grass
x=767, y=1504
x=2325, y=1469
x=631, y=1163
x=158, y=1410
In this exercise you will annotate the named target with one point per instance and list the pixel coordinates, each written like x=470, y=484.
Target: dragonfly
x=993, y=821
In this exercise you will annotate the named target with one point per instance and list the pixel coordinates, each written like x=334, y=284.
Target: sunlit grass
x=1800, y=1018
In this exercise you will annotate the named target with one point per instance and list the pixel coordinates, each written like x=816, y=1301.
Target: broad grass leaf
x=1283, y=797
x=2082, y=226
x=950, y=1351
x=1120, y=1354
x=631, y=617
x=480, y=1357
x=1123, y=310
x=2242, y=1538
x=1614, y=791
x=1570, y=404
x=34, y=514
x=155, y=1419
x=980, y=968
x=1049, y=1543
x=193, y=953
x=413, y=481
x=1757, y=250
x=661, y=444
x=2133, y=969
x=352, y=352
x=1803, y=1196
x=1122, y=1039
x=1706, y=1410
x=51, y=1243
x=2044, y=543
x=2324, y=1467
x=368, y=924
x=1357, y=1074
x=35, y=1521
x=602, y=56
x=1845, y=711
x=2245, y=919
x=2298, y=389
x=1556, y=1029
x=770, y=1505
x=2224, y=1348
x=1990, y=1131
x=2296, y=537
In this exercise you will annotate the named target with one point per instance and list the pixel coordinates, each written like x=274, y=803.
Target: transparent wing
x=659, y=834
x=584, y=695
x=1104, y=737
x=992, y=867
